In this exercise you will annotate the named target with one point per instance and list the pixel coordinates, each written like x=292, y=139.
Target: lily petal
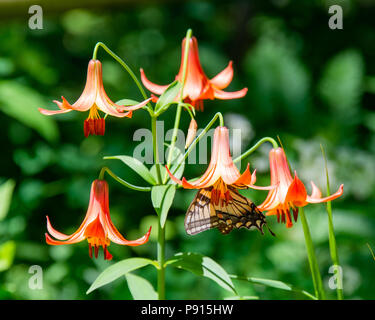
x=224, y=78
x=230, y=95
x=296, y=192
x=58, y=235
x=54, y=242
x=134, y=107
x=155, y=88
x=316, y=195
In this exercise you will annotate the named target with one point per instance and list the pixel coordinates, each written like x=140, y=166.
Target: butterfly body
x=232, y=213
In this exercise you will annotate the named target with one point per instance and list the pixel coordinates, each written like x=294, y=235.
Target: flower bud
x=192, y=131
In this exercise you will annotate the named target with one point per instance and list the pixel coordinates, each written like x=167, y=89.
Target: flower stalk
x=314, y=268
x=255, y=147
x=332, y=239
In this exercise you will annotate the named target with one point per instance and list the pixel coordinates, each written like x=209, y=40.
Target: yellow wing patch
x=236, y=213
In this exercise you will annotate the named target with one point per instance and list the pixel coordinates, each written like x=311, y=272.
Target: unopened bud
x=192, y=131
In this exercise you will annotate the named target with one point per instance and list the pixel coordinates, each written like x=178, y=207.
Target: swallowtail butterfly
x=236, y=213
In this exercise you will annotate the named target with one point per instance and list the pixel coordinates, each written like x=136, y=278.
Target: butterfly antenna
x=270, y=230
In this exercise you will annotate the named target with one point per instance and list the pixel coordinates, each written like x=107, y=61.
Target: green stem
x=256, y=146
x=124, y=65
x=161, y=261
x=332, y=238
x=155, y=148
x=314, y=268
x=121, y=181
x=196, y=140
x=161, y=231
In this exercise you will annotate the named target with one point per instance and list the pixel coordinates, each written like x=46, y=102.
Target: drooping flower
x=221, y=171
x=290, y=193
x=197, y=85
x=97, y=227
x=218, y=202
x=93, y=99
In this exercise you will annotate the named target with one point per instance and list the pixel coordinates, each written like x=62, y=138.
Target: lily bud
x=192, y=131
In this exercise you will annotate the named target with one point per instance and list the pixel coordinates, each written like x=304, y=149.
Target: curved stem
x=121, y=181
x=196, y=140
x=256, y=146
x=123, y=64
x=315, y=273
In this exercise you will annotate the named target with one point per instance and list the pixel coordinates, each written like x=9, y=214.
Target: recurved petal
x=296, y=192
x=115, y=236
x=316, y=195
x=54, y=242
x=224, y=78
x=155, y=88
x=64, y=106
x=47, y=112
x=178, y=181
x=134, y=107
x=246, y=177
x=219, y=94
x=58, y=235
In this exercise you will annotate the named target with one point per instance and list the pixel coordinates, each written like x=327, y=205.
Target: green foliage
x=7, y=252
x=137, y=166
x=117, y=270
x=6, y=191
x=341, y=84
x=168, y=96
x=307, y=84
x=21, y=103
x=140, y=288
x=162, y=198
x=204, y=267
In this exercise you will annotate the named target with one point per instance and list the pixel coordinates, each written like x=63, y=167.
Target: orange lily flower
x=221, y=172
x=197, y=85
x=92, y=99
x=290, y=193
x=97, y=227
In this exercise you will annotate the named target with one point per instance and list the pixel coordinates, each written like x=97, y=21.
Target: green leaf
x=204, y=267
x=127, y=102
x=137, y=166
x=6, y=191
x=118, y=270
x=274, y=284
x=341, y=85
x=21, y=103
x=168, y=95
x=7, y=252
x=140, y=288
x=162, y=199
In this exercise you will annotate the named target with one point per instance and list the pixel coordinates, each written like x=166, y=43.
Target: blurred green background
x=308, y=84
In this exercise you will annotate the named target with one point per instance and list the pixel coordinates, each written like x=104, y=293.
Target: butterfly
x=237, y=212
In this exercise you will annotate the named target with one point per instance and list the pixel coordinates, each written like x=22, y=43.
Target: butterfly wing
x=238, y=212
x=200, y=215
